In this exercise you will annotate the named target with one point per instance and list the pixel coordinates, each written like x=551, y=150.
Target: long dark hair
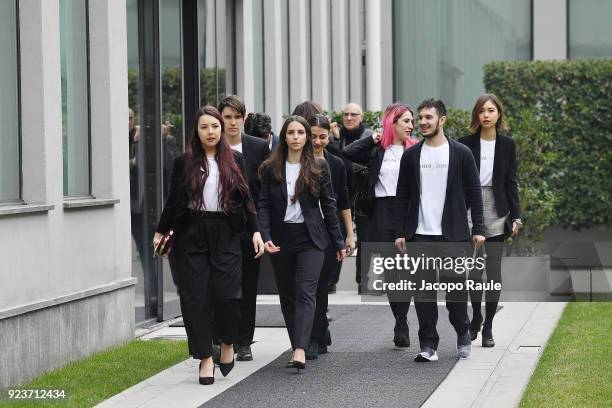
x=230, y=176
x=309, y=170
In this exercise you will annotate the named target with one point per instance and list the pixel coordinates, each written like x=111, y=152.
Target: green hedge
x=572, y=102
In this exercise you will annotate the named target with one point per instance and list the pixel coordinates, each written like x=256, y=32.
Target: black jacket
x=254, y=151
x=505, y=188
x=462, y=191
x=273, y=205
x=338, y=180
x=177, y=205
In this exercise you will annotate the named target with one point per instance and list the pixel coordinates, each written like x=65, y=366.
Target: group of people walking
x=234, y=196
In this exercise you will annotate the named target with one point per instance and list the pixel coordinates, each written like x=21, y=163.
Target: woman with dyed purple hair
x=382, y=156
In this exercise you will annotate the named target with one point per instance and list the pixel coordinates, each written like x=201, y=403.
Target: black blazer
x=338, y=180
x=367, y=153
x=254, y=151
x=273, y=205
x=462, y=191
x=505, y=188
x=177, y=205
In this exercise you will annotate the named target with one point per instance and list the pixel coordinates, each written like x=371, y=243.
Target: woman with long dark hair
x=495, y=156
x=321, y=337
x=297, y=215
x=382, y=156
x=208, y=207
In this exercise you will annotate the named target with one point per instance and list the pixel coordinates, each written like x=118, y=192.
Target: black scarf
x=349, y=136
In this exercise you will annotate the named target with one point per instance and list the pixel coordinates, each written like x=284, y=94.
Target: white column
x=320, y=46
x=387, y=80
x=339, y=48
x=355, y=40
x=374, y=77
x=244, y=52
x=298, y=53
x=550, y=29
x=273, y=61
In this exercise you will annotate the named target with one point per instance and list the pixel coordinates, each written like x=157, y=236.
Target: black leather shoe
x=401, y=336
x=216, y=353
x=487, y=339
x=244, y=353
x=312, y=351
x=296, y=364
x=475, y=326
x=322, y=349
x=206, y=380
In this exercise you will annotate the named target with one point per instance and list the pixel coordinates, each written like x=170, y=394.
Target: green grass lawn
x=576, y=367
x=88, y=382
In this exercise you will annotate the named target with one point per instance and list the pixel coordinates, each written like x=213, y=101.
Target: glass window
x=590, y=31
x=441, y=46
x=9, y=104
x=75, y=96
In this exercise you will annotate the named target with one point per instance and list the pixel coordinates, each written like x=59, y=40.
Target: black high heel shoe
x=475, y=326
x=207, y=380
x=296, y=364
x=226, y=367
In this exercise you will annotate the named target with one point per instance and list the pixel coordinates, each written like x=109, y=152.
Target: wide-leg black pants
x=205, y=262
x=425, y=301
x=248, y=303
x=296, y=268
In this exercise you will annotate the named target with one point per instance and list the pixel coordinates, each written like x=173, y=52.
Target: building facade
x=78, y=203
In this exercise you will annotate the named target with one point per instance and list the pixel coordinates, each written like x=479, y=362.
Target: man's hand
x=478, y=241
x=400, y=244
x=271, y=248
x=340, y=255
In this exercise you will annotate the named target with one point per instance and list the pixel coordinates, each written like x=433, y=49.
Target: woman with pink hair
x=382, y=155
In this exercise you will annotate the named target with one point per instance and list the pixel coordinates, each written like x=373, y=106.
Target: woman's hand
x=271, y=248
x=340, y=255
x=350, y=244
x=376, y=137
x=258, y=245
x=156, y=238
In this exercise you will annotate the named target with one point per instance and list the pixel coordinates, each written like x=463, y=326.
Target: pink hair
x=392, y=114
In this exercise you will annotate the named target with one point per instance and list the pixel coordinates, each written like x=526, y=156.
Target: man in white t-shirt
x=437, y=178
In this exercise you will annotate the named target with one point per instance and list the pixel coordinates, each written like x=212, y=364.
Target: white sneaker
x=426, y=355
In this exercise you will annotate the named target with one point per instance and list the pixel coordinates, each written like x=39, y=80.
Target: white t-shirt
x=237, y=147
x=389, y=172
x=487, y=156
x=211, y=187
x=434, y=174
x=293, y=214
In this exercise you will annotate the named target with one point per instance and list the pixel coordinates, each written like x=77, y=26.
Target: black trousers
x=333, y=268
x=297, y=268
x=494, y=249
x=248, y=303
x=205, y=262
x=320, y=324
x=425, y=300
x=381, y=229
x=362, y=225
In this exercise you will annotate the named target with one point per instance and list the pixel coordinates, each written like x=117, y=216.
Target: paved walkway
x=363, y=368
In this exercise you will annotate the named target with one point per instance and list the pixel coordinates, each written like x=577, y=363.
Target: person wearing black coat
x=495, y=156
x=297, y=216
x=208, y=208
x=254, y=150
x=437, y=182
x=381, y=154
x=330, y=273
